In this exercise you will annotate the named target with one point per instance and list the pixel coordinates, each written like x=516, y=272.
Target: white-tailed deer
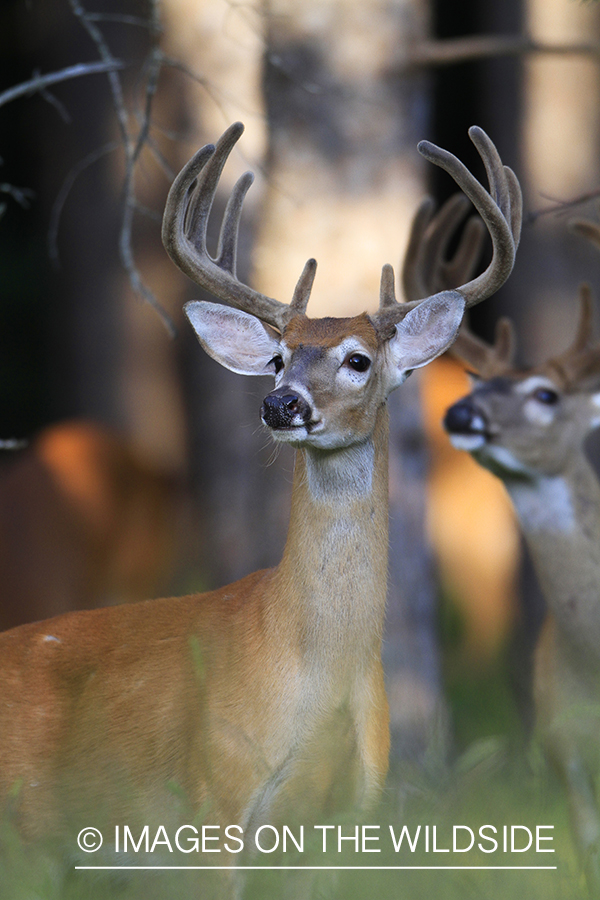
x=265, y=698
x=83, y=522
x=528, y=426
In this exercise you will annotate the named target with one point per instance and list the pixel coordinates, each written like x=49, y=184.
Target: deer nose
x=284, y=409
x=464, y=418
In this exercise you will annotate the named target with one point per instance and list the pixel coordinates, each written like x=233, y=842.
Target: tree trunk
x=344, y=180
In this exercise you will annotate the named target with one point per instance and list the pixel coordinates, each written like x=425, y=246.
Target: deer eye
x=277, y=362
x=545, y=395
x=359, y=362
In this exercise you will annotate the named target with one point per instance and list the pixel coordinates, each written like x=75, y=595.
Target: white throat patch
x=544, y=505
x=507, y=460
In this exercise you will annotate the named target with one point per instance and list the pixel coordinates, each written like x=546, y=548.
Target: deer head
x=528, y=422
x=331, y=375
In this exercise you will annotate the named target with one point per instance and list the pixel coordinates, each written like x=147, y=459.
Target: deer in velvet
x=265, y=697
x=528, y=426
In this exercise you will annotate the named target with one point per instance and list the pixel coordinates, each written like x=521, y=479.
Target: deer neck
x=334, y=567
x=560, y=519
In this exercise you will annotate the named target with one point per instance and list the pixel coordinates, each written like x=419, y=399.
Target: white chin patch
x=289, y=435
x=506, y=460
x=468, y=442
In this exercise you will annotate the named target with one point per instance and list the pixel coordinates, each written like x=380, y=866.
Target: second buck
x=263, y=699
x=528, y=426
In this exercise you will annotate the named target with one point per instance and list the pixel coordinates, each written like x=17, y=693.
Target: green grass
x=497, y=777
x=487, y=785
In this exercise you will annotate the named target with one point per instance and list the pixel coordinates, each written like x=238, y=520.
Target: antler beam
x=184, y=230
x=501, y=209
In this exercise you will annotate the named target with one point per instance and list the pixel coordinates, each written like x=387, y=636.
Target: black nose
x=460, y=418
x=283, y=408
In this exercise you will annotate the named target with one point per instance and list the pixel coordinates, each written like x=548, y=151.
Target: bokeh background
x=132, y=465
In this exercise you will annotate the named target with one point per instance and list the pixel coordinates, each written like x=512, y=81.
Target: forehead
x=329, y=332
x=522, y=381
x=567, y=378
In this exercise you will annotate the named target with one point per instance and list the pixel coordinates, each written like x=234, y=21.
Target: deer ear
x=237, y=340
x=424, y=333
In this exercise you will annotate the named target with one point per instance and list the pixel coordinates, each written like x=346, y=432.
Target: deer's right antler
x=582, y=359
x=184, y=229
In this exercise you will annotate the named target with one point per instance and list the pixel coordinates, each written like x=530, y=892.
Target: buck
x=263, y=699
x=529, y=426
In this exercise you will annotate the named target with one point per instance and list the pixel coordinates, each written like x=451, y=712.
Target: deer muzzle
x=466, y=425
x=285, y=408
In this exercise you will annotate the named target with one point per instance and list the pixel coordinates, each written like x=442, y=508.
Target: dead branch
x=450, y=52
x=64, y=192
x=560, y=207
x=132, y=143
x=41, y=82
x=12, y=444
x=22, y=196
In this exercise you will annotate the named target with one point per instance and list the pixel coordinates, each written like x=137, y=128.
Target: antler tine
x=500, y=209
x=304, y=287
x=435, y=243
x=413, y=283
x=184, y=229
x=227, y=249
x=585, y=325
x=387, y=292
x=488, y=360
x=426, y=270
x=505, y=341
x=468, y=253
x=583, y=356
x=586, y=228
x=581, y=360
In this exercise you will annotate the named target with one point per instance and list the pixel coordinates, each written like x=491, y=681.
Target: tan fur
x=262, y=702
x=328, y=332
x=264, y=698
